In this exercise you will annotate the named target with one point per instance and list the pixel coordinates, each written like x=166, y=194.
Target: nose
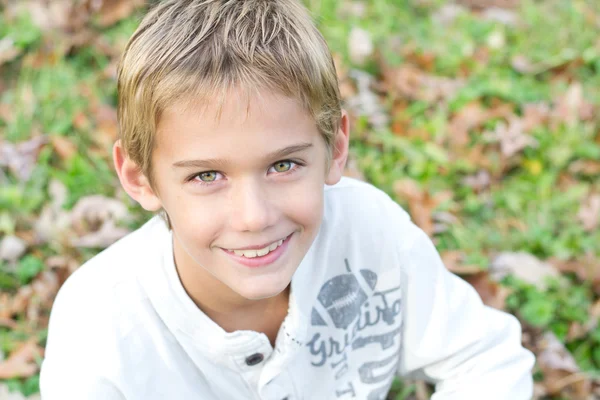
x=251, y=209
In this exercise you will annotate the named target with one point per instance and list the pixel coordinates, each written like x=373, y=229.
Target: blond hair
x=197, y=50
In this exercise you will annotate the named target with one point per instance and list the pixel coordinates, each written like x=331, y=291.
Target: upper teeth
x=258, y=252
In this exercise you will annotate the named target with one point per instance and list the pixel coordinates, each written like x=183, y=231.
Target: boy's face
x=225, y=188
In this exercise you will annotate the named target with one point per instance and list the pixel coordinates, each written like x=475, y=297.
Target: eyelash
x=193, y=180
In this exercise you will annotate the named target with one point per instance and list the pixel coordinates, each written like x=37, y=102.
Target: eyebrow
x=219, y=162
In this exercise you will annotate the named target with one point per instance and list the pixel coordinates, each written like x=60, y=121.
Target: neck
x=224, y=306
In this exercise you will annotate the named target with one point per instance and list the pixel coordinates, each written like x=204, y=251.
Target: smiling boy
x=269, y=275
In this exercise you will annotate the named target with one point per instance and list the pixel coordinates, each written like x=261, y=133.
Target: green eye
x=208, y=176
x=282, y=166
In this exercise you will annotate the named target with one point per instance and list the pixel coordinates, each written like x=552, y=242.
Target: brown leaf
x=414, y=84
x=586, y=268
x=21, y=158
x=585, y=167
x=64, y=147
x=589, y=213
x=106, y=125
x=524, y=266
x=511, y=136
x=12, y=248
x=112, y=11
x=572, y=106
x=8, y=51
x=420, y=203
x=492, y=294
x=21, y=362
x=453, y=260
x=561, y=372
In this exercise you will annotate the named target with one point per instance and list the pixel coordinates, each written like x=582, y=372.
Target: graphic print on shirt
x=348, y=319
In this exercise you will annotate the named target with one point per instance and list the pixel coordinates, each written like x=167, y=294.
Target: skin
x=248, y=199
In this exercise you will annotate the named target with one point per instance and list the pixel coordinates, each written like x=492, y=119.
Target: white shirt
x=371, y=299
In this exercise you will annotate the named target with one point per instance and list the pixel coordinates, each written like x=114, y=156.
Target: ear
x=340, y=151
x=133, y=180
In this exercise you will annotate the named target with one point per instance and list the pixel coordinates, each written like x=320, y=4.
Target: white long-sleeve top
x=371, y=299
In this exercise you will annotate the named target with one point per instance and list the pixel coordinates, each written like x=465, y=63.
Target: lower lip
x=261, y=261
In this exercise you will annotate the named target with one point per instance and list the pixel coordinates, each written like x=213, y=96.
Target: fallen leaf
x=414, y=84
x=501, y=15
x=586, y=268
x=491, y=293
x=21, y=158
x=12, y=248
x=102, y=238
x=112, y=11
x=360, y=45
x=64, y=147
x=21, y=362
x=8, y=51
x=524, y=266
x=585, y=167
x=420, y=203
x=512, y=136
x=561, y=372
x=572, y=107
x=483, y=4
x=453, y=260
x=589, y=213
x=365, y=102
x=478, y=182
x=447, y=14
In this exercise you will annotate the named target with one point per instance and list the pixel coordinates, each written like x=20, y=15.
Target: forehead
x=249, y=125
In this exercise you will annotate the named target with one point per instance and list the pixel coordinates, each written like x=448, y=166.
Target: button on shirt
x=371, y=299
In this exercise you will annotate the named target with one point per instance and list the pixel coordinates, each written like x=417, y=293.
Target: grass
x=48, y=92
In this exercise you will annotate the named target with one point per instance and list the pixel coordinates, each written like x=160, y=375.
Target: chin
x=261, y=291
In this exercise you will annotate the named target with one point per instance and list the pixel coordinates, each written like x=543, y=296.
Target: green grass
x=48, y=90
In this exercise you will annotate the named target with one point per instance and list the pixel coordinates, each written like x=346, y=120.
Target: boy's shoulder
x=108, y=281
x=363, y=202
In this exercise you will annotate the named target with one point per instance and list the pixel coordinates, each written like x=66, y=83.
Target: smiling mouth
x=252, y=253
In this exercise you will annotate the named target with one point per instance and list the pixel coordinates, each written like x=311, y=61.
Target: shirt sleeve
x=450, y=338
x=70, y=369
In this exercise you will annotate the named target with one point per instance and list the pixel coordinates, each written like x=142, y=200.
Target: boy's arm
x=72, y=382
x=469, y=350
x=69, y=370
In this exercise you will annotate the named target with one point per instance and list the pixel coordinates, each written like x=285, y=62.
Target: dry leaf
x=447, y=14
x=8, y=51
x=21, y=362
x=587, y=268
x=102, y=238
x=414, y=84
x=524, y=266
x=12, y=248
x=589, y=213
x=572, y=107
x=453, y=260
x=112, y=11
x=360, y=45
x=365, y=101
x=491, y=293
x=561, y=372
x=420, y=203
x=21, y=158
x=478, y=182
x=503, y=16
x=106, y=125
x=511, y=136
x=64, y=147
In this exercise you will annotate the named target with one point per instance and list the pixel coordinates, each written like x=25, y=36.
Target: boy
x=271, y=276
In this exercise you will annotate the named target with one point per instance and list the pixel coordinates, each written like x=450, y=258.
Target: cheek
x=306, y=206
x=197, y=222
